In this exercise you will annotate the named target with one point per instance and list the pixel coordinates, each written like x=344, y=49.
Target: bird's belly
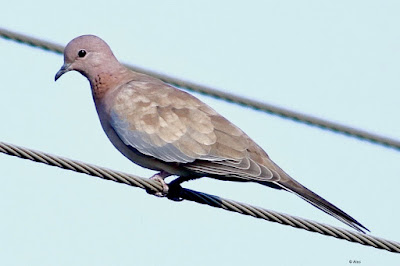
x=139, y=158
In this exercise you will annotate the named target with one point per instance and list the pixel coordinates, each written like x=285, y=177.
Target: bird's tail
x=293, y=186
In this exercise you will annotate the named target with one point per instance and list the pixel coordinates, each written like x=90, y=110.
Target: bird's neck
x=103, y=82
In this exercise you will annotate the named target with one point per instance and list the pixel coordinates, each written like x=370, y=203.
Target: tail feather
x=319, y=202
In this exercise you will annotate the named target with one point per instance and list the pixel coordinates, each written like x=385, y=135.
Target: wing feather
x=173, y=126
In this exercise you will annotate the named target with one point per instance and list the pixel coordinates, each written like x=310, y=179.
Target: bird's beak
x=64, y=69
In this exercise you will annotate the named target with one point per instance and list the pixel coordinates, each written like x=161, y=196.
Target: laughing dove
x=160, y=127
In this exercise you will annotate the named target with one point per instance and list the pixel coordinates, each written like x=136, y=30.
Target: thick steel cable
x=199, y=197
x=268, y=108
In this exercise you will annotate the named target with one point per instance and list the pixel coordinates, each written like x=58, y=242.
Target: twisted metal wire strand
x=264, y=107
x=199, y=197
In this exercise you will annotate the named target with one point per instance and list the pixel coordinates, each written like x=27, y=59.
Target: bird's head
x=87, y=54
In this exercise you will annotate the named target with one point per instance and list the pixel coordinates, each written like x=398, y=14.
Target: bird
x=163, y=128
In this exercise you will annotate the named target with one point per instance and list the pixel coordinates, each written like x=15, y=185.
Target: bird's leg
x=160, y=178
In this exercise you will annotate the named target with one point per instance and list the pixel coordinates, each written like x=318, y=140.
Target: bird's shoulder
x=153, y=93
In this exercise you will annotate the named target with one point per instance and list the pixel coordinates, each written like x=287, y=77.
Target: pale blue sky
x=338, y=60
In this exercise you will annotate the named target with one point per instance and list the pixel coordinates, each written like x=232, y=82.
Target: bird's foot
x=160, y=178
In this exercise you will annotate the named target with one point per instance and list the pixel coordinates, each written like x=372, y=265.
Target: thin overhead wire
x=177, y=193
x=264, y=107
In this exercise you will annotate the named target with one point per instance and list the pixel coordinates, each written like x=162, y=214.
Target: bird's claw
x=165, y=187
x=172, y=191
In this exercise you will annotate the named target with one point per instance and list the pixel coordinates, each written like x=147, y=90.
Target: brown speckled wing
x=173, y=126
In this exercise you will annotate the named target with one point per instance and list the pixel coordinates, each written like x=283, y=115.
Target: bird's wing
x=171, y=125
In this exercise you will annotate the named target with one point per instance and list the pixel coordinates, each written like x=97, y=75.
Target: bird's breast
x=100, y=85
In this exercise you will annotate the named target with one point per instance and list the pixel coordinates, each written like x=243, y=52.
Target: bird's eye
x=81, y=53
